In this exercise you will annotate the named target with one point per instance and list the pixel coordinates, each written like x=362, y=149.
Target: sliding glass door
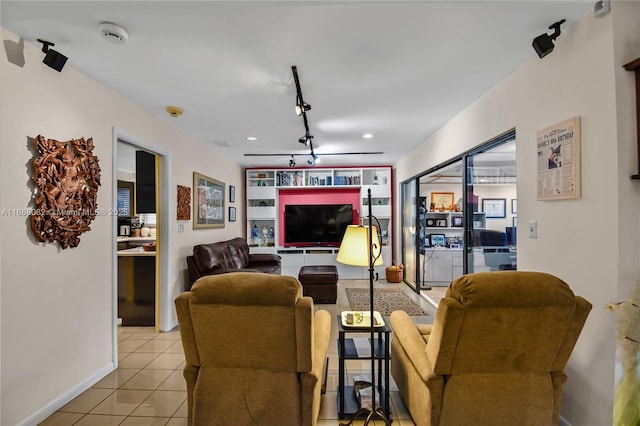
x=461, y=217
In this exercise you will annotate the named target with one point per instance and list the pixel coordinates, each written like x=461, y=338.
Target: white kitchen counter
x=136, y=251
x=138, y=239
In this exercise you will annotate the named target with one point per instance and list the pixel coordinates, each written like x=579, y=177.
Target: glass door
x=409, y=235
x=491, y=196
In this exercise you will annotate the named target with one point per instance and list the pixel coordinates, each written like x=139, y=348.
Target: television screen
x=316, y=224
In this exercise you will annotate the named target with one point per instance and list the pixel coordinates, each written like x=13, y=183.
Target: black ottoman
x=319, y=282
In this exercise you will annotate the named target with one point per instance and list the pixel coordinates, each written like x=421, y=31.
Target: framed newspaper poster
x=559, y=161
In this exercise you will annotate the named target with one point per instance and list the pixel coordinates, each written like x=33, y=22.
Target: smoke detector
x=175, y=111
x=114, y=33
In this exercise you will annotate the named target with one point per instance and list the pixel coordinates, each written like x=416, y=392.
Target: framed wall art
x=441, y=201
x=494, y=208
x=208, y=205
x=514, y=206
x=232, y=194
x=558, y=161
x=232, y=214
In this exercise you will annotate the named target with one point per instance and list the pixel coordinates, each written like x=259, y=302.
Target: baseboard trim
x=59, y=402
x=563, y=422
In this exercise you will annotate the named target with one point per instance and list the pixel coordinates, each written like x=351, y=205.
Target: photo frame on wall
x=441, y=201
x=208, y=205
x=494, y=208
x=232, y=214
x=514, y=206
x=232, y=194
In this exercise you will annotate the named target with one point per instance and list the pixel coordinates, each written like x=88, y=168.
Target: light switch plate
x=181, y=227
x=533, y=229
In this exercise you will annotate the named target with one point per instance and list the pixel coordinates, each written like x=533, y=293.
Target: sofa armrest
x=264, y=258
x=311, y=382
x=413, y=343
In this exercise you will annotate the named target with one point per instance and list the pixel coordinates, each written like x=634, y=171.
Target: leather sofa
x=255, y=351
x=229, y=256
x=495, y=353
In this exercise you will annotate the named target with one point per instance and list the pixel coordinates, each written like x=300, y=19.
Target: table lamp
x=360, y=246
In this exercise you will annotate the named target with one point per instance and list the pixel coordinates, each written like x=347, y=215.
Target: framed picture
x=232, y=194
x=441, y=223
x=515, y=221
x=456, y=221
x=436, y=240
x=494, y=208
x=558, y=161
x=514, y=206
x=208, y=205
x=441, y=201
x=431, y=222
x=184, y=203
x=232, y=214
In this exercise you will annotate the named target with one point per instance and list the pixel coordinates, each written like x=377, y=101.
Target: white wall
x=592, y=242
x=57, y=305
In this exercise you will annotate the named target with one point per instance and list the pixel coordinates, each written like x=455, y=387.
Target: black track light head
x=306, y=139
x=52, y=58
x=301, y=108
x=292, y=162
x=543, y=44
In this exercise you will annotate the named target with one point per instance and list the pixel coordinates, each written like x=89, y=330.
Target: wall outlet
x=533, y=229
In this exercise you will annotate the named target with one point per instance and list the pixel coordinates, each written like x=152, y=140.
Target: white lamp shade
x=355, y=246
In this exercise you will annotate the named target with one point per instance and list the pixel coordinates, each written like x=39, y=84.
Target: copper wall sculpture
x=67, y=176
x=184, y=203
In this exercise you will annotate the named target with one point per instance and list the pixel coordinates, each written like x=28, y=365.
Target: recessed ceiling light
x=251, y=138
x=367, y=135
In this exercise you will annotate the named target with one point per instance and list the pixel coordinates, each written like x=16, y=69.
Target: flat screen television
x=316, y=224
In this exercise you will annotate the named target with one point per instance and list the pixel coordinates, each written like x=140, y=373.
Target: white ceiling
x=397, y=69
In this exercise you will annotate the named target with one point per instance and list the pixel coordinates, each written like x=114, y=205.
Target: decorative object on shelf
x=558, y=168
x=67, y=176
x=145, y=231
x=634, y=66
x=456, y=221
x=514, y=206
x=271, y=232
x=208, y=205
x=360, y=246
x=375, y=180
x=494, y=208
x=437, y=240
x=232, y=214
x=431, y=222
x=184, y=203
x=255, y=232
x=232, y=194
x=442, y=200
x=441, y=223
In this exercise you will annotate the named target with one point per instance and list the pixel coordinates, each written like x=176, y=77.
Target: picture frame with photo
x=494, y=208
x=232, y=194
x=232, y=214
x=514, y=206
x=208, y=205
x=456, y=222
x=437, y=240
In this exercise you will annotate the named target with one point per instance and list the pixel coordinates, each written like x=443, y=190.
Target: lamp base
x=371, y=416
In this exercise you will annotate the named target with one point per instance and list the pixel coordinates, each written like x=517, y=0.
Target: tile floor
x=147, y=388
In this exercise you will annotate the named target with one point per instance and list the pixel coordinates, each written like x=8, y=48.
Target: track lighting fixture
x=302, y=107
x=292, y=162
x=53, y=58
x=543, y=44
x=306, y=139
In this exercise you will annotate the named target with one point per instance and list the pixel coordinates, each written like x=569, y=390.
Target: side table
x=347, y=402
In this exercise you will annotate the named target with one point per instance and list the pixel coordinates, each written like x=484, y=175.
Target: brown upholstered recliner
x=495, y=354
x=255, y=350
x=229, y=256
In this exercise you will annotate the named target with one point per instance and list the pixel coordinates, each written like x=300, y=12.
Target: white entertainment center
x=265, y=190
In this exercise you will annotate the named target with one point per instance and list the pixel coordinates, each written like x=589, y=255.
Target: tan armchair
x=495, y=354
x=254, y=350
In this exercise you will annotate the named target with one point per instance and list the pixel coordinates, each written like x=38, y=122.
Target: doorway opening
x=133, y=288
